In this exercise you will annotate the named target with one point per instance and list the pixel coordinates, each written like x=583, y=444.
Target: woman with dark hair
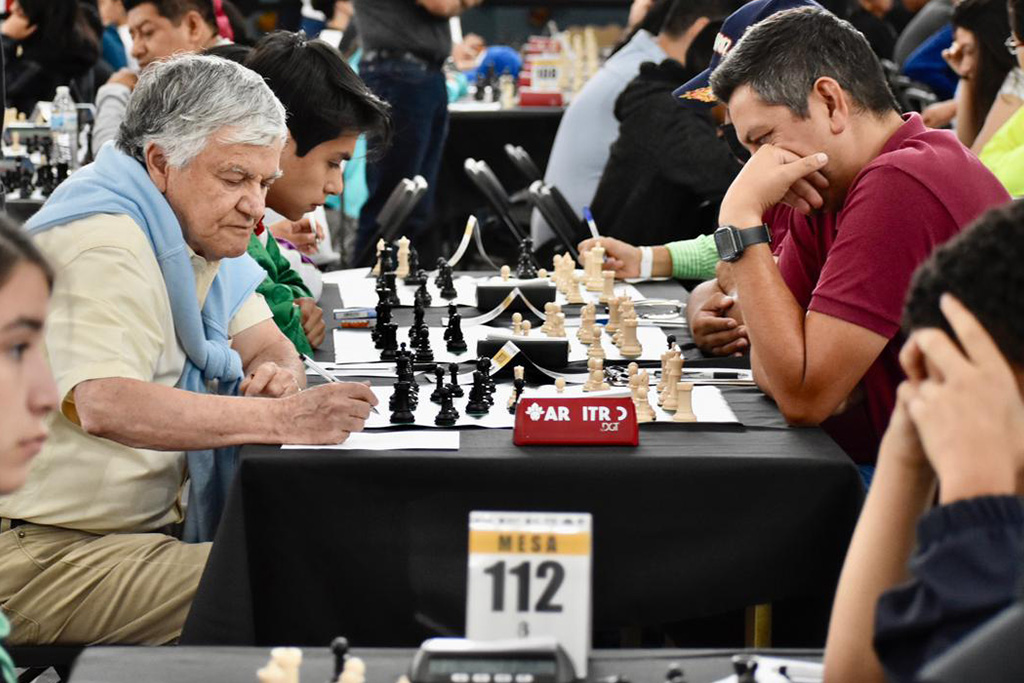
x=29, y=393
x=980, y=58
x=47, y=44
x=1003, y=154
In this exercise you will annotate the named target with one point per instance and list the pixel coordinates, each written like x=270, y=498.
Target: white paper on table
x=379, y=371
x=709, y=406
x=497, y=417
x=420, y=439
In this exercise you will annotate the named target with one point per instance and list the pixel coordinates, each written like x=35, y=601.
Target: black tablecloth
x=697, y=520
x=239, y=665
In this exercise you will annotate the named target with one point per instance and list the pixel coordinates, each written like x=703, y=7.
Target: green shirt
x=1004, y=154
x=6, y=665
x=280, y=290
x=694, y=259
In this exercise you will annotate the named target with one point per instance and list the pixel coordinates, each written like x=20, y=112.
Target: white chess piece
x=595, y=380
x=558, y=328
x=596, y=350
x=271, y=673
x=542, y=274
x=560, y=385
x=684, y=403
x=380, y=248
x=354, y=671
x=517, y=324
x=646, y=412
x=525, y=328
x=506, y=273
x=674, y=372
x=614, y=315
x=289, y=659
x=607, y=286
x=630, y=344
x=403, y=258
x=572, y=291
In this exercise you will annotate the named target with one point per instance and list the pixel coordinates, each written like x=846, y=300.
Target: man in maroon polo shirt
x=866, y=195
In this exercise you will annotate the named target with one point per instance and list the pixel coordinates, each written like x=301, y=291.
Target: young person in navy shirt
x=958, y=425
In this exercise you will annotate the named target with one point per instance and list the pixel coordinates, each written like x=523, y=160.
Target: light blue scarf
x=119, y=184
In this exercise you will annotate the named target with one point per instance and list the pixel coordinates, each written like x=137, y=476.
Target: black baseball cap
x=697, y=92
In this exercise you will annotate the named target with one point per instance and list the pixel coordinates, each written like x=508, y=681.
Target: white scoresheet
x=356, y=346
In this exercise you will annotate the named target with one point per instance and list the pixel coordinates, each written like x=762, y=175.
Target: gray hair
x=180, y=103
x=783, y=56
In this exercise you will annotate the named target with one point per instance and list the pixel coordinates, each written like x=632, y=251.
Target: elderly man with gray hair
x=154, y=330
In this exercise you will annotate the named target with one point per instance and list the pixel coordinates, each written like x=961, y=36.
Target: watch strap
x=759, y=234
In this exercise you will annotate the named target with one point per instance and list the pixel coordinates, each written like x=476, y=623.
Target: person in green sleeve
x=329, y=108
x=29, y=393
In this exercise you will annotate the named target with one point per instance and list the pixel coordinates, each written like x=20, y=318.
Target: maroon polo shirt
x=855, y=265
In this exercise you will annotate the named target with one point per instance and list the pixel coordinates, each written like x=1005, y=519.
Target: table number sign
x=529, y=575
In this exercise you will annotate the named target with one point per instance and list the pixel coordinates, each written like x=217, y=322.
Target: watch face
x=727, y=244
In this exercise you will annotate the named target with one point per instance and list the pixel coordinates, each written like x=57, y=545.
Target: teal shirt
x=6, y=665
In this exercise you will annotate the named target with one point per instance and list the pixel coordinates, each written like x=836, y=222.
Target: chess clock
x=458, y=660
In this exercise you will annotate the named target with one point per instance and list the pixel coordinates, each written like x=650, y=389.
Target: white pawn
x=684, y=403
x=506, y=272
x=560, y=385
x=646, y=412
x=588, y=316
x=572, y=291
x=354, y=671
x=614, y=315
x=607, y=286
x=595, y=381
x=288, y=659
x=380, y=248
x=596, y=350
x=675, y=371
x=403, y=258
x=524, y=329
x=517, y=323
x=542, y=274
x=632, y=370
x=549, y=317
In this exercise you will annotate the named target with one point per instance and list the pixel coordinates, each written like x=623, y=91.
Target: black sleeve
x=966, y=569
x=693, y=155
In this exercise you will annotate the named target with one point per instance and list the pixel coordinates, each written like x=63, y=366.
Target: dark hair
x=782, y=57
x=698, y=55
x=323, y=96
x=231, y=52
x=683, y=13
x=16, y=248
x=62, y=28
x=651, y=23
x=988, y=20
x=982, y=268
x=1015, y=12
x=175, y=10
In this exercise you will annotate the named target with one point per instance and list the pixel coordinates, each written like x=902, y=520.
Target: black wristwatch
x=731, y=241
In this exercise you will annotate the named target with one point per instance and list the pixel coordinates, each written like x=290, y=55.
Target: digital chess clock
x=457, y=660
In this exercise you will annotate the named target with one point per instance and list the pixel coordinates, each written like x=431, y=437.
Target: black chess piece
x=339, y=648
x=444, y=281
x=392, y=287
x=424, y=354
x=388, y=341
x=479, y=403
x=483, y=365
x=454, y=339
x=525, y=268
x=675, y=674
x=388, y=259
x=671, y=341
x=417, y=276
x=453, y=371
x=422, y=296
x=745, y=667
x=448, y=415
x=517, y=392
x=401, y=404
x=435, y=396
x=383, y=310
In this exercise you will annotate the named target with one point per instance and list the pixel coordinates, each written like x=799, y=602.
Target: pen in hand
x=318, y=369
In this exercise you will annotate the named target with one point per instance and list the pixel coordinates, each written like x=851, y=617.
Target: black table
x=239, y=665
x=697, y=520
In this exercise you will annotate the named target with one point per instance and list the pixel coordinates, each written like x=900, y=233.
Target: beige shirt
x=110, y=316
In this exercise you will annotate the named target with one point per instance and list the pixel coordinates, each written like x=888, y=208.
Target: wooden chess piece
x=646, y=412
x=595, y=380
x=632, y=370
x=549, y=317
x=380, y=254
x=670, y=400
x=560, y=385
x=630, y=344
x=506, y=273
x=674, y=372
x=614, y=315
x=558, y=327
x=595, y=282
x=596, y=350
x=517, y=324
x=403, y=258
x=684, y=403
x=288, y=659
x=542, y=274
x=524, y=330
x=664, y=371
x=572, y=290
x=607, y=286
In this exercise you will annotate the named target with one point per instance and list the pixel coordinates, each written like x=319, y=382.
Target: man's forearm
x=282, y=353
x=147, y=415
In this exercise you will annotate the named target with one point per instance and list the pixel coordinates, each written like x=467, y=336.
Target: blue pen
x=589, y=218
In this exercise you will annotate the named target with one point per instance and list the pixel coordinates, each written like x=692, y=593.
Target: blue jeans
x=419, y=110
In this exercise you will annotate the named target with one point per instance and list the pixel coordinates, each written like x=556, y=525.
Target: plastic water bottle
x=64, y=129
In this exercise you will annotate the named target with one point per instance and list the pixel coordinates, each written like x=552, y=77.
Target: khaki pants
x=60, y=586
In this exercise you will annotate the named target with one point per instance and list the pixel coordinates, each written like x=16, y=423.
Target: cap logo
x=723, y=44
x=700, y=95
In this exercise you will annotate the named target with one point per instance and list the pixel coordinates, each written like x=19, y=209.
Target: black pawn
x=479, y=403
x=671, y=341
x=422, y=296
x=525, y=269
x=339, y=647
x=401, y=405
x=417, y=276
x=447, y=416
x=517, y=393
x=439, y=389
x=675, y=674
x=388, y=341
x=453, y=370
